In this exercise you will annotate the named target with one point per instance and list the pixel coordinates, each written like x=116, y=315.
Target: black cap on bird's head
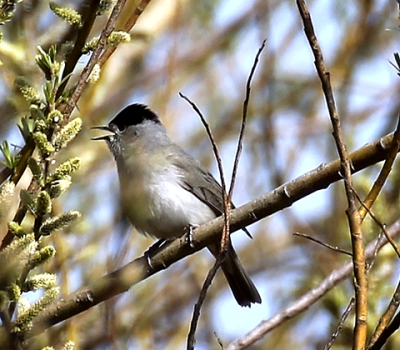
x=134, y=114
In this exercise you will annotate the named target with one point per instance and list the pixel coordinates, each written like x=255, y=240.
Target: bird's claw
x=153, y=249
x=189, y=234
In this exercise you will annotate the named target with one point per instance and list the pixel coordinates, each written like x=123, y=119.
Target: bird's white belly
x=162, y=207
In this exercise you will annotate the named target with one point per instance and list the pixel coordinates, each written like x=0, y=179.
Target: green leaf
x=26, y=127
x=29, y=200
x=10, y=160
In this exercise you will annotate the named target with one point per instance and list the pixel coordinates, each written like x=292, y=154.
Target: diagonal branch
x=339, y=327
x=282, y=197
x=360, y=282
x=227, y=198
x=383, y=174
x=219, y=259
x=244, y=118
x=90, y=13
x=326, y=245
x=387, y=325
x=94, y=58
x=126, y=28
x=312, y=296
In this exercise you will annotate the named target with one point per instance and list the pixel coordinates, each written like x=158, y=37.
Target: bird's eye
x=121, y=128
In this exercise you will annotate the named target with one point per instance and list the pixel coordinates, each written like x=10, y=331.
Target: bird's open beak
x=104, y=137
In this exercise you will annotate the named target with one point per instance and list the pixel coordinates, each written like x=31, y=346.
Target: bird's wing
x=198, y=181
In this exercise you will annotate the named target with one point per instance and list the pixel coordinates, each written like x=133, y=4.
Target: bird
x=164, y=191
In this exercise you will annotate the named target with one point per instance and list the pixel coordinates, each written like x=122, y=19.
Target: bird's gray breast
x=155, y=201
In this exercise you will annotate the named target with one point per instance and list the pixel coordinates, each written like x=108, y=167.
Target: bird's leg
x=156, y=246
x=153, y=249
x=189, y=234
x=161, y=243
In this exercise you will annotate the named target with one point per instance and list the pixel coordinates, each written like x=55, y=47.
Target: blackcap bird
x=164, y=191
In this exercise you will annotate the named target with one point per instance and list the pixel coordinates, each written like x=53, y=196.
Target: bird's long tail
x=243, y=288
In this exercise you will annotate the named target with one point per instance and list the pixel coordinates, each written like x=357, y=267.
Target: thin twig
x=226, y=197
x=225, y=234
x=380, y=334
x=386, y=334
x=383, y=175
x=90, y=8
x=339, y=327
x=359, y=264
x=191, y=340
x=326, y=245
x=378, y=222
x=244, y=117
x=118, y=282
x=376, y=251
x=312, y=296
x=94, y=59
x=126, y=28
x=210, y=136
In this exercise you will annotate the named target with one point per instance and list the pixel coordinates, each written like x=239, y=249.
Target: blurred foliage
x=205, y=49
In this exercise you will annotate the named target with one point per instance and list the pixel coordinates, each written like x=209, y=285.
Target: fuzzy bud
x=41, y=281
x=67, y=133
x=68, y=14
x=95, y=74
x=118, y=37
x=29, y=92
x=104, y=6
x=43, y=204
x=40, y=126
x=42, y=256
x=14, y=257
x=90, y=46
x=66, y=168
x=6, y=195
x=54, y=117
x=29, y=200
x=24, y=320
x=14, y=292
x=36, y=171
x=16, y=229
x=36, y=112
x=58, y=187
x=59, y=222
x=45, y=147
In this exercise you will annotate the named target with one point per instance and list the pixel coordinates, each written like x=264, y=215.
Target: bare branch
x=340, y=325
x=380, y=225
x=384, y=328
x=383, y=175
x=225, y=235
x=107, y=286
x=244, y=117
x=360, y=282
x=386, y=334
x=312, y=296
x=94, y=59
x=90, y=14
x=316, y=240
x=127, y=28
